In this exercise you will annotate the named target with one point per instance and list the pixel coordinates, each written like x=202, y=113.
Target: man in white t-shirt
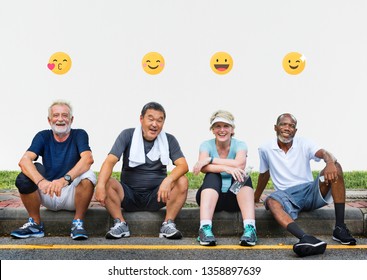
x=286, y=159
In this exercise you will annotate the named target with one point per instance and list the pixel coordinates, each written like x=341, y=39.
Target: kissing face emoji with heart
x=59, y=63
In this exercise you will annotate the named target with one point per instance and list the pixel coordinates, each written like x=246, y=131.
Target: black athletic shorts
x=140, y=201
x=227, y=201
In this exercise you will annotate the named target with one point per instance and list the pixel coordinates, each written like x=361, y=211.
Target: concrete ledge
x=98, y=222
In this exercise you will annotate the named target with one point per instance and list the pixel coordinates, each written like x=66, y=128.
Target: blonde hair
x=224, y=115
x=60, y=102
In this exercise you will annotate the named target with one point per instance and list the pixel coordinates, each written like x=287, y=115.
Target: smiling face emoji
x=153, y=63
x=294, y=63
x=59, y=63
x=221, y=63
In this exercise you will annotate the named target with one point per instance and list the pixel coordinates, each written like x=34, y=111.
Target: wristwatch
x=67, y=178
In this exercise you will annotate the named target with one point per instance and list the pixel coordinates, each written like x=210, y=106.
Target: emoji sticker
x=294, y=63
x=221, y=63
x=59, y=63
x=153, y=63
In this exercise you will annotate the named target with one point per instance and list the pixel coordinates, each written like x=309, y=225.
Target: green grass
x=353, y=179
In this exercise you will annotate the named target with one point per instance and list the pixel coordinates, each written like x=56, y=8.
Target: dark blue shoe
x=77, y=230
x=29, y=229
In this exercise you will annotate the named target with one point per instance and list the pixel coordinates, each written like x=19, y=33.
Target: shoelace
x=78, y=225
x=207, y=230
x=116, y=225
x=249, y=231
x=170, y=226
x=28, y=224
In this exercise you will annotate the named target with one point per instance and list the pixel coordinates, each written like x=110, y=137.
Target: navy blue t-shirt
x=59, y=157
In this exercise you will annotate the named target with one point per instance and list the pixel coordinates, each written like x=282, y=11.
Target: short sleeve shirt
x=236, y=146
x=59, y=157
x=291, y=168
x=150, y=174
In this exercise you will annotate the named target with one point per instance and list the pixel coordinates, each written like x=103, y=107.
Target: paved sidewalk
x=319, y=222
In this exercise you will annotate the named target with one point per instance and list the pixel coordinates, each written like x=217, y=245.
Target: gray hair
x=62, y=103
x=286, y=115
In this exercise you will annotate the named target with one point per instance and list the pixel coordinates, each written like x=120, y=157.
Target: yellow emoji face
x=59, y=63
x=221, y=63
x=294, y=63
x=153, y=63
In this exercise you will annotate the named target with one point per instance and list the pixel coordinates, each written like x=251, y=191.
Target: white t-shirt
x=291, y=168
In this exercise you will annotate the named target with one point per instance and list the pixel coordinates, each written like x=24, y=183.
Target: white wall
x=107, y=86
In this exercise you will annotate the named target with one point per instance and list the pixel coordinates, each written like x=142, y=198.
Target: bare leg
x=245, y=199
x=177, y=198
x=278, y=212
x=208, y=201
x=83, y=196
x=32, y=203
x=114, y=197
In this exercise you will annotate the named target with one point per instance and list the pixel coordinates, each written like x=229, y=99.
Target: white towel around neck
x=160, y=149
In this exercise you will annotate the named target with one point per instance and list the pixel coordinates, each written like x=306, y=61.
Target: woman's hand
x=200, y=164
x=237, y=173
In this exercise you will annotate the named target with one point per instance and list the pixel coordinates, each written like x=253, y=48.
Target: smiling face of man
x=60, y=120
x=286, y=128
x=151, y=124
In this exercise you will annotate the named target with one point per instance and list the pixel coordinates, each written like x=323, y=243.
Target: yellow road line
x=159, y=247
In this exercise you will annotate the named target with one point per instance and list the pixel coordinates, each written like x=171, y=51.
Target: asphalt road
x=137, y=248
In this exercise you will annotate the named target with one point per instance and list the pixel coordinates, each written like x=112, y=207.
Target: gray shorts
x=303, y=197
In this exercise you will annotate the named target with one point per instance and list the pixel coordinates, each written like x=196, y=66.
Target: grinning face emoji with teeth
x=294, y=63
x=221, y=63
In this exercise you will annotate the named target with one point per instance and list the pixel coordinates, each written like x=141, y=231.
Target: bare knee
x=182, y=184
x=112, y=187
x=271, y=203
x=339, y=169
x=85, y=186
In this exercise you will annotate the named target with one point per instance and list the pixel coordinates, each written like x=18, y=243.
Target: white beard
x=285, y=141
x=61, y=130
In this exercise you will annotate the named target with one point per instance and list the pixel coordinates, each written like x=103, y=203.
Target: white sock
x=205, y=222
x=249, y=222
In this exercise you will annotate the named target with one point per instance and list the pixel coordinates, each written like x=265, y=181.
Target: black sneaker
x=342, y=235
x=309, y=245
x=77, y=230
x=29, y=229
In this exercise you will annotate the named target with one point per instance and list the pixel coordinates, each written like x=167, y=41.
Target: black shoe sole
x=211, y=243
x=177, y=235
x=109, y=236
x=81, y=237
x=353, y=242
x=304, y=250
x=244, y=243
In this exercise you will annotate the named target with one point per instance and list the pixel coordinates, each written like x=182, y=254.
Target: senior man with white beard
x=64, y=180
x=286, y=160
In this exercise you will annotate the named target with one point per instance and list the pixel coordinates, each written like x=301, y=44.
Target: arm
x=235, y=166
x=29, y=169
x=330, y=170
x=103, y=177
x=167, y=184
x=83, y=165
x=261, y=184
